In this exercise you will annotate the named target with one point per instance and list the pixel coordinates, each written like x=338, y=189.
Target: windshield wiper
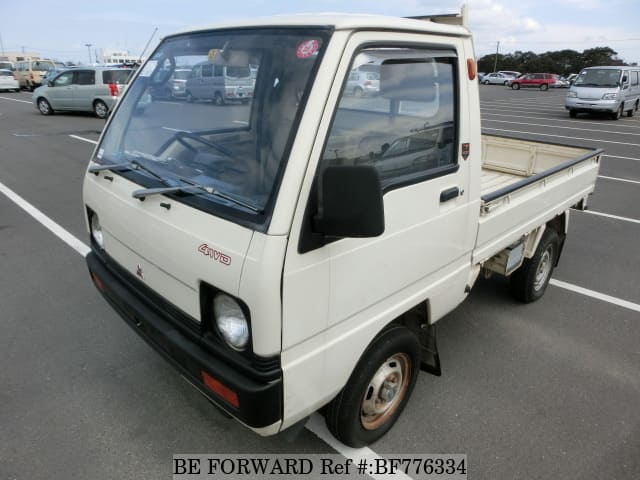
x=132, y=164
x=192, y=187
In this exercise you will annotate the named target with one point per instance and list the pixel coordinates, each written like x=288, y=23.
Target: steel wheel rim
x=386, y=390
x=543, y=270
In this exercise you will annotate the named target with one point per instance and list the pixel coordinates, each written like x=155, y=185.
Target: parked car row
x=515, y=80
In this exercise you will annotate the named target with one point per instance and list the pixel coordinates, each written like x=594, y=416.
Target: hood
x=592, y=93
x=171, y=250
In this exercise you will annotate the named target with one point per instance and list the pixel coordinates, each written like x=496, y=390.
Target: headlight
x=609, y=96
x=96, y=230
x=231, y=321
x=572, y=95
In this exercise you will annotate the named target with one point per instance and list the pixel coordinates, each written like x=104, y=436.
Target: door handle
x=449, y=194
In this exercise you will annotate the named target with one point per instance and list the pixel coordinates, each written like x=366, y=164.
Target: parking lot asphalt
x=546, y=390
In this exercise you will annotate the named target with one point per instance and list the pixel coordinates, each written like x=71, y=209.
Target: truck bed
x=526, y=183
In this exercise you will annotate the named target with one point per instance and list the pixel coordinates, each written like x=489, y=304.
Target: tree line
x=562, y=62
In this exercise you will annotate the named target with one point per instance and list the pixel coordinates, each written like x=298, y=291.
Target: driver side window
x=63, y=79
x=399, y=117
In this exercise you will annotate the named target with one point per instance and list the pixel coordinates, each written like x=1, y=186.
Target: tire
x=44, y=107
x=530, y=281
x=630, y=112
x=30, y=87
x=506, y=83
x=217, y=99
x=100, y=109
x=515, y=86
x=360, y=415
x=544, y=87
x=486, y=82
x=618, y=113
x=358, y=92
x=573, y=113
x=190, y=97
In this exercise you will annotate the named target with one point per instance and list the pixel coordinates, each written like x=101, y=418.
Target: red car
x=537, y=80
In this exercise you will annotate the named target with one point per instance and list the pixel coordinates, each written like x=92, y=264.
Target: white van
x=220, y=83
x=614, y=90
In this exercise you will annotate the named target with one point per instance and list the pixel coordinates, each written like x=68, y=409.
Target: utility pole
x=88, y=45
x=495, y=63
x=1, y=45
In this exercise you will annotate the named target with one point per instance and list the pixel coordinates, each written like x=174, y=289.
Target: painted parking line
x=560, y=136
x=82, y=139
x=616, y=179
x=597, y=295
x=556, y=119
x=623, y=158
x=16, y=100
x=49, y=224
x=608, y=215
x=511, y=122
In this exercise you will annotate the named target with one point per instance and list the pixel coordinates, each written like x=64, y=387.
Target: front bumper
x=171, y=333
x=591, y=105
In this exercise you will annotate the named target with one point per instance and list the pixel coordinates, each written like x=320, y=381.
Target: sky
x=60, y=30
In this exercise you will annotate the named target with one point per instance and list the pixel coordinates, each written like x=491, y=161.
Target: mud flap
x=429, y=350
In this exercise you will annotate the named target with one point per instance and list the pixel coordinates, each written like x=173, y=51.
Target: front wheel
x=44, y=107
x=515, y=86
x=218, y=99
x=486, y=82
x=530, y=281
x=573, y=113
x=377, y=390
x=618, y=113
x=544, y=87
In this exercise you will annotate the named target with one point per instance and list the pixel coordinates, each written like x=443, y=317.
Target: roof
x=340, y=21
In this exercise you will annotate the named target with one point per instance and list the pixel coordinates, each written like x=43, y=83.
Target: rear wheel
x=357, y=92
x=100, y=109
x=515, y=86
x=544, y=87
x=190, y=97
x=530, y=281
x=378, y=389
x=218, y=100
x=486, y=82
x=630, y=112
x=44, y=107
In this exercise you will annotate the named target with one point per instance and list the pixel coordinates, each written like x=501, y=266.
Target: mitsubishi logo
x=139, y=272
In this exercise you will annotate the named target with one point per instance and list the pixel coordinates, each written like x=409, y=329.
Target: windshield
x=181, y=74
x=43, y=65
x=229, y=130
x=598, y=77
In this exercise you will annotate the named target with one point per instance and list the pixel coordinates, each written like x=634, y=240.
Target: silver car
x=496, y=78
x=93, y=89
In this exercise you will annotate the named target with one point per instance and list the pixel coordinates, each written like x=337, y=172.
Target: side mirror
x=50, y=83
x=350, y=203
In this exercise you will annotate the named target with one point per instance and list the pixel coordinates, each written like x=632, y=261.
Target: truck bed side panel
x=525, y=184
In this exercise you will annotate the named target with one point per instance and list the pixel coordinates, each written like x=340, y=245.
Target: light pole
x=88, y=45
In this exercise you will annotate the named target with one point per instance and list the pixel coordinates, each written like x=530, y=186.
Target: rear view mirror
x=350, y=203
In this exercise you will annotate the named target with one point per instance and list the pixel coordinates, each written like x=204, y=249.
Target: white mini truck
x=294, y=253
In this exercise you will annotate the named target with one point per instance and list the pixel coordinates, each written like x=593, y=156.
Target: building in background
x=119, y=57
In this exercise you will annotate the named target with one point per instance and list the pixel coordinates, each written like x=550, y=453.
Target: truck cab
x=295, y=252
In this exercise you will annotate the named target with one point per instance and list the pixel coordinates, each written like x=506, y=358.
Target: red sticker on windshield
x=307, y=48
